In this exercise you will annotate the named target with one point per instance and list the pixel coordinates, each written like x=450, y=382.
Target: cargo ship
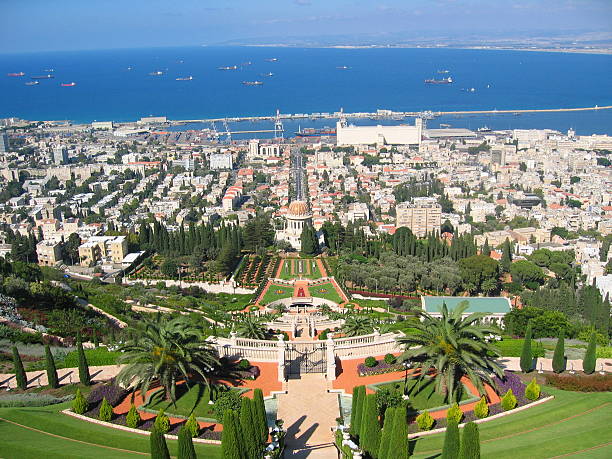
x=231, y=67
x=252, y=83
x=343, y=67
x=447, y=80
x=43, y=77
x=187, y=78
x=68, y=84
x=20, y=74
x=32, y=83
x=313, y=132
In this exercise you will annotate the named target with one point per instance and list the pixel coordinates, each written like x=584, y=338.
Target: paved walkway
x=309, y=412
x=66, y=376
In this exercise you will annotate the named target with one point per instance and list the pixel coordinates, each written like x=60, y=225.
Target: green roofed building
x=495, y=307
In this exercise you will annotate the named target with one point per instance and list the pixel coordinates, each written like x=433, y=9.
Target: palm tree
x=250, y=327
x=454, y=347
x=488, y=285
x=356, y=325
x=166, y=351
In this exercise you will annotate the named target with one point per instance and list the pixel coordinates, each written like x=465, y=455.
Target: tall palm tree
x=454, y=347
x=356, y=325
x=166, y=351
x=250, y=327
x=488, y=285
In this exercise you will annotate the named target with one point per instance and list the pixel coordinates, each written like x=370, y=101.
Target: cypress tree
x=20, y=374
x=398, y=446
x=259, y=414
x=369, y=439
x=51, y=370
x=357, y=411
x=526, y=354
x=231, y=444
x=590, y=358
x=558, y=362
x=385, y=440
x=250, y=433
x=84, y=376
x=470, y=442
x=185, y=444
x=450, y=450
x=159, y=448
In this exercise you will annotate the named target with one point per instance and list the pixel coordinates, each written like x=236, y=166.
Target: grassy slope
x=571, y=422
x=19, y=442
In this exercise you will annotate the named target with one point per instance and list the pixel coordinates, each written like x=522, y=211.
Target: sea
x=117, y=85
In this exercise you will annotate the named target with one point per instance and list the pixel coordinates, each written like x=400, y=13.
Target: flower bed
x=381, y=367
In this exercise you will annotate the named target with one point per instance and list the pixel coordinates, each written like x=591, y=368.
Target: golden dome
x=298, y=208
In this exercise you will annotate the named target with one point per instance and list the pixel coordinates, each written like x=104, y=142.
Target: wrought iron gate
x=303, y=358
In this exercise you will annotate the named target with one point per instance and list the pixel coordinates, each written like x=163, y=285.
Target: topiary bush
x=508, y=401
x=481, y=409
x=425, y=421
x=454, y=413
x=106, y=411
x=162, y=422
x=193, y=426
x=590, y=357
x=244, y=364
x=532, y=391
x=133, y=417
x=79, y=405
x=390, y=359
x=450, y=449
x=370, y=362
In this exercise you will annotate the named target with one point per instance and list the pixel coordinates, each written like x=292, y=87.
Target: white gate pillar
x=281, y=357
x=331, y=359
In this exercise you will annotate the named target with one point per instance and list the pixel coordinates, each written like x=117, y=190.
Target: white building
x=379, y=135
x=297, y=218
x=221, y=161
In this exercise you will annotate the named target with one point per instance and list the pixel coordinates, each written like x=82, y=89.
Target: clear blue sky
x=41, y=25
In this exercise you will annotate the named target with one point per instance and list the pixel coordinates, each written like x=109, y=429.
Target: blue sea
x=309, y=80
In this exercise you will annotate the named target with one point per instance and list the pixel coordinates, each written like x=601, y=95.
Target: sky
x=43, y=25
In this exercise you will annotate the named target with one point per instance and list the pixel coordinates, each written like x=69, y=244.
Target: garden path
x=309, y=412
x=65, y=375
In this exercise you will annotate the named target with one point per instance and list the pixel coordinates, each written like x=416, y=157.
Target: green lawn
x=326, y=291
x=277, y=292
x=423, y=396
x=286, y=271
x=514, y=347
x=46, y=433
x=195, y=400
x=570, y=423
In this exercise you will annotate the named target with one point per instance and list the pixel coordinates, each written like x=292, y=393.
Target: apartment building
x=48, y=252
x=422, y=215
x=97, y=247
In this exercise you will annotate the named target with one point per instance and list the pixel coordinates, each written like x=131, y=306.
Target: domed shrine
x=298, y=217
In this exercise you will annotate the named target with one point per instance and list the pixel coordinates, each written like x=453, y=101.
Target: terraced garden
x=296, y=267
x=327, y=291
x=255, y=269
x=277, y=292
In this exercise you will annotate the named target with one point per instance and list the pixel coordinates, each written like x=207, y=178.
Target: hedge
x=581, y=383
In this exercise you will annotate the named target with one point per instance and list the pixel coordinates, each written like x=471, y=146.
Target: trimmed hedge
x=509, y=401
x=425, y=421
x=581, y=383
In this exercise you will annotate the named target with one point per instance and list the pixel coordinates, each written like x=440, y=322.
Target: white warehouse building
x=379, y=135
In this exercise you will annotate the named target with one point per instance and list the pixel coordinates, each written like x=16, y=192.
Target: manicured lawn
x=59, y=435
x=188, y=400
x=514, y=347
x=570, y=423
x=371, y=303
x=326, y=291
x=290, y=269
x=423, y=396
x=277, y=292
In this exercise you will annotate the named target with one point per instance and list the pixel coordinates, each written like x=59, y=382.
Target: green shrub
x=106, y=411
x=526, y=354
x=52, y=378
x=159, y=448
x=84, y=376
x=357, y=409
x=581, y=383
x=228, y=400
x=385, y=439
x=185, y=444
x=470, y=442
x=387, y=397
x=133, y=417
x=244, y=364
x=370, y=362
x=162, y=422
x=369, y=437
x=20, y=374
x=232, y=442
x=532, y=391
x=454, y=413
x=481, y=409
x=508, y=401
x=589, y=361
x=558, y=361
x=390, y=359
x=604, y=352
x=425, y=421
x=79, y=404
x=399, y=436
x=450, y=450
x=193, y=426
